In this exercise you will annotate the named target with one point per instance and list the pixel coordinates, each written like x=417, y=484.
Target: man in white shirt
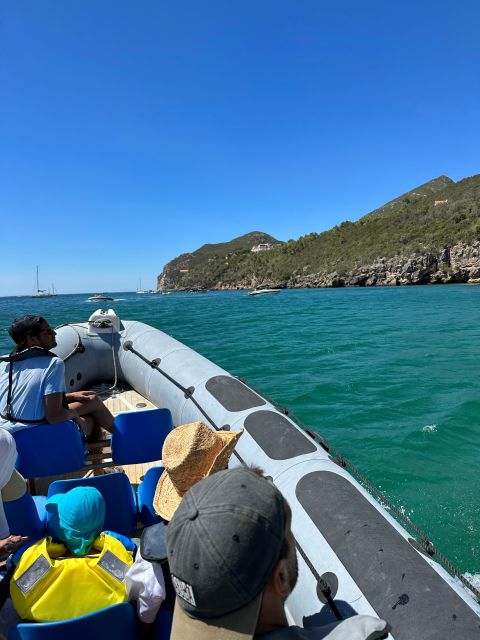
x=32, y=384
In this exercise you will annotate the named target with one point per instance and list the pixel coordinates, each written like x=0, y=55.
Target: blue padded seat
x=163, y=624
x=27, y=515
x=119, y=622
x=49, y=449
x=138, y=436
x=120, y=500
x=146, y=491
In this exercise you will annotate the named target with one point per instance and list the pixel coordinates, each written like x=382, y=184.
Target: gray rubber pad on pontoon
x=233, y=394
x=401, y=587
x=277, y=436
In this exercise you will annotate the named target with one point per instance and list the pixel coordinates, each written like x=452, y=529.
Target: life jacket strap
x=33, y=352
x=9, y=418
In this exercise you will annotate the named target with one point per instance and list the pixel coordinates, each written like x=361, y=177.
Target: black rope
x=188, y=392
x=322, y=584
x=425, y=542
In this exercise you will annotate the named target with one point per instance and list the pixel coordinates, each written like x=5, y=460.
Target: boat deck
x=118, y=401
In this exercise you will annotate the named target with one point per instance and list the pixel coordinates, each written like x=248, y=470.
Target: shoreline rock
x=457, y=264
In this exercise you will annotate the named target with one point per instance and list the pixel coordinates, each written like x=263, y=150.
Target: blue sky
x=133, y=132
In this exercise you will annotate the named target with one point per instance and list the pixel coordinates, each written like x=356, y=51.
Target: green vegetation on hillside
x=409, y=224
x=212, y=262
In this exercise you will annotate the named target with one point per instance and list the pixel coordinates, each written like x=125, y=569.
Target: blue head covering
x=76, y=517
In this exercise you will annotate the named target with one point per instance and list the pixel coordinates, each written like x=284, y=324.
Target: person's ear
x=33, y=341
x=280, y=581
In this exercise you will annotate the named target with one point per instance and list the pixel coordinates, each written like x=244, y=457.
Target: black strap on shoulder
x=33, y=352
x=22, y=420
x=9, y=416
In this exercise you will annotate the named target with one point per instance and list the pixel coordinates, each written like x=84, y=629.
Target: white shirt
x=146, y=585
x=33, y=378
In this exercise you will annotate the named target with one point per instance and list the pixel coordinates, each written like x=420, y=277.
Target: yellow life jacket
x=46, y=586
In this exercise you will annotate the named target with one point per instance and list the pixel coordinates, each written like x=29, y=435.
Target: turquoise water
x=390, y=376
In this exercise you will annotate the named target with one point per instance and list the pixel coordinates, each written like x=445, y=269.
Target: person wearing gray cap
x=233, y=564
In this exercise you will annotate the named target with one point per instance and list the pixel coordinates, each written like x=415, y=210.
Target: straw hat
x=190, y=452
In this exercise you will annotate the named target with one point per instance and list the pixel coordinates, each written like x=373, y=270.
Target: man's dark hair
x=24, y=327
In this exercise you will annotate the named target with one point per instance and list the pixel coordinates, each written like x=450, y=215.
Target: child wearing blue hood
x=80, y=569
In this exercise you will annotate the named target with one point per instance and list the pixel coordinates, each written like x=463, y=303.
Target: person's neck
x=272, y=615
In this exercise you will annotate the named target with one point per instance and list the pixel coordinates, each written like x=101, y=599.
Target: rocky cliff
x=457, y=264
x=430, y=234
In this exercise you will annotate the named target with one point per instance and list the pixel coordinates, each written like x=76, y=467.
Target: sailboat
x=140, y=290
x=41, y=293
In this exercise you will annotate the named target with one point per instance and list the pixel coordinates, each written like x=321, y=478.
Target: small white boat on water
x=140, y=290
x=99, y=297
x=42, y=293
x=262, y=292
x=352, y=552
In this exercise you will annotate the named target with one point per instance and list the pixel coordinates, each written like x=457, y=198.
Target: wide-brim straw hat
x=190, y=452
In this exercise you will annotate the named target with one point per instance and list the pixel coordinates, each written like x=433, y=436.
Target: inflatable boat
x=354, y=556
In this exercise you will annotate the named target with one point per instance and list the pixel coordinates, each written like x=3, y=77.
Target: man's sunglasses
x=48, y=330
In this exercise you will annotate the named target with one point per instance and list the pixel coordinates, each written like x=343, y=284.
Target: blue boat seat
x=118, y=621
x=49, y=449
x=146, y=492
x=163, y=624
x=119, y=495
x=27, y=516
x=138, y=436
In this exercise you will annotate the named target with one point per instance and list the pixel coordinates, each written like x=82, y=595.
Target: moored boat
x=262, y=292
x=98, y=297
x=348, y=545
x=42, y=293
x=140, y=290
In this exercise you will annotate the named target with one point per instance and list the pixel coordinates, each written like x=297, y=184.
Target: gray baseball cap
x=223, y=544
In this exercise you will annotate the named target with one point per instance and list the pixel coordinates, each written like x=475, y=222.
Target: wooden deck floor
x=119, y=402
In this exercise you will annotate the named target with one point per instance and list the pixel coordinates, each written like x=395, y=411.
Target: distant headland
x=429, y=235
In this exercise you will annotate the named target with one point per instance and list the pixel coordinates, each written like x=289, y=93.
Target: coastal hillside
x=418, y=193
x=429, y=234
x=212, y=263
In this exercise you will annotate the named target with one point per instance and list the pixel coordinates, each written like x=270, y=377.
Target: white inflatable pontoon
x=349, y=547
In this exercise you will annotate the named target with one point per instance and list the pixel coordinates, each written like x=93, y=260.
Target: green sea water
x=389, y=376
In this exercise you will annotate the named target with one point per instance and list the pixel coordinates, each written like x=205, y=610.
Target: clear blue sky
x=131, y=132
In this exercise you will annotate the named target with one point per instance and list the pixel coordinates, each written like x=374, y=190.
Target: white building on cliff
x=263, y=246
